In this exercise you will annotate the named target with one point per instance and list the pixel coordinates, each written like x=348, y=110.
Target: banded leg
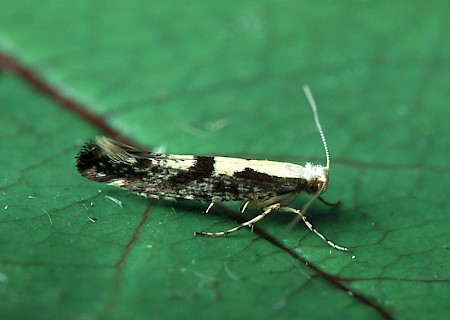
x=312, y=229
x=249, y=223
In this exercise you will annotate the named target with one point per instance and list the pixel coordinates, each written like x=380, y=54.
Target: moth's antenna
x=312, y=103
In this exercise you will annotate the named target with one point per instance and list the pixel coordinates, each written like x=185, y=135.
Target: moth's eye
x=312, y=187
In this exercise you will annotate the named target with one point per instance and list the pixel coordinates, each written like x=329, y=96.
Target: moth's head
x=316, y=177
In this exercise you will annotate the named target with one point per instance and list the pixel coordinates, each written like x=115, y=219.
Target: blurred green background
x=224, y=78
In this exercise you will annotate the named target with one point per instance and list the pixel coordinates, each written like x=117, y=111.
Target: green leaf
x=225, y=79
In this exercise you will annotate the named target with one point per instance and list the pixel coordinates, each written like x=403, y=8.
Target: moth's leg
x=244, y=206
x=249, y=223
x=312, y=229
x=282, y=200
x=331, y=204
x=209, y=207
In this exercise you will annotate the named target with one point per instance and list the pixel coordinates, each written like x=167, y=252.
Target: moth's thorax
x=317, y=178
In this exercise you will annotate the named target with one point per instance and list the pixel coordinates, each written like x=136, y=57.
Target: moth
x=259, y=184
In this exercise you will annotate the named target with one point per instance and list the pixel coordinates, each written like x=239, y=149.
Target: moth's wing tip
x=89, y=154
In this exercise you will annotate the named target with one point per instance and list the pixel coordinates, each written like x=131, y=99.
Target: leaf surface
x=225, y=79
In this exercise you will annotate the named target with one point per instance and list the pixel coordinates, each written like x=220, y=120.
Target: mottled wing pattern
x=212, y=179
